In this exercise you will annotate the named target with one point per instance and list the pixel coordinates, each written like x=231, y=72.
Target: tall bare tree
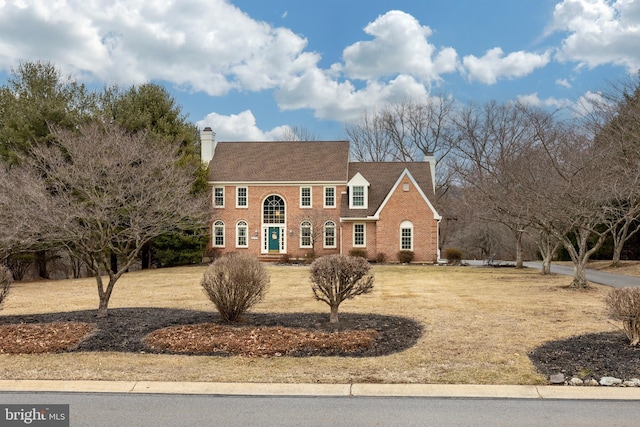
x=97, y=191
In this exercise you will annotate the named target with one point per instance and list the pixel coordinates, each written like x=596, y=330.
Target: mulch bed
x=163, y=330
x=591, y=356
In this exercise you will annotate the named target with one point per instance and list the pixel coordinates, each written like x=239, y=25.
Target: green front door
x=274, y=239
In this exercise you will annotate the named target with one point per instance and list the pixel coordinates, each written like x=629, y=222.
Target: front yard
x=476, y=325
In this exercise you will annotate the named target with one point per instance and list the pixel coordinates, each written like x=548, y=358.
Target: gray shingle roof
x=308, y=161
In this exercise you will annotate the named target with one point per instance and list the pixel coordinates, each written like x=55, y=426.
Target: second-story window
x=241, y=197
x=329, y=197
x=305, y=197
x=357, y=197
x=218, y=197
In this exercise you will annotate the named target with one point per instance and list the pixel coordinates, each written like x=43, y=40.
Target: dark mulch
x=125, y=328
x=606, y=354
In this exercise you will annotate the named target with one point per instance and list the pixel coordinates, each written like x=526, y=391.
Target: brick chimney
x=207, y=145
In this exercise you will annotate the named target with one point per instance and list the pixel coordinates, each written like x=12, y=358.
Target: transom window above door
x=273, y=211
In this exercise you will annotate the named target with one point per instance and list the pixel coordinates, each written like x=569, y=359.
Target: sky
x=250, y=68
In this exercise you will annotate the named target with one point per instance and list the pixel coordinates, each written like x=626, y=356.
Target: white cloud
x=494, y=65
x=563, y=83
x=599, y=32
x=238, y=127
x=534, y=100
x=207, y=45
x=399, y=45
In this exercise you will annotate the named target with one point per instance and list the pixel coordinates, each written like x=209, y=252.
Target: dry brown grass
x=479, y=324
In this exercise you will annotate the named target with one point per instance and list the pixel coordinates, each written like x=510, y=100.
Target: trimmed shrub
x=623, y=304
x=453, y=256
x=6, y=278
x=335, y=278
x=234, y=283
x=358, y=252
x=381, y=257
x=405, y=257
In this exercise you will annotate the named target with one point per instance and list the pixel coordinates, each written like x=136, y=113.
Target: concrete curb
x=352, y=390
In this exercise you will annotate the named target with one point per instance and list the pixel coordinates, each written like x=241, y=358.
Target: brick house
x=276, y=198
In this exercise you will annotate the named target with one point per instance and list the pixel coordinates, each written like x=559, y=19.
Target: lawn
x=478, y=326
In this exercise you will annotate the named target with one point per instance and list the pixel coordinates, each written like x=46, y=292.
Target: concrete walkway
x=346, y=390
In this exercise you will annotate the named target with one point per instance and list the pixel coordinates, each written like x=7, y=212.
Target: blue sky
x=251, y=68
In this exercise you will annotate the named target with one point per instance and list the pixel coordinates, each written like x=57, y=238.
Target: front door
x=274, y=239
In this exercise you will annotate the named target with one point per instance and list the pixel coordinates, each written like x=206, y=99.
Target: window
x=241, y=197
x=242, y=230
x=329, y=234
x=305, y=197
x=273, y=210
x=357, y=196
x=218, y=197
x=218, y=234
x=305, y=235
x=359, y=235
x=406, y=236
x=329, y=197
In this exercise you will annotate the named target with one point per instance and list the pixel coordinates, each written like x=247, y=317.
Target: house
x=302, y=198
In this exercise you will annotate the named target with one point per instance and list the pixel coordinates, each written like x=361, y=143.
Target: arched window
x=273, y=210
x=406, y=236
x=242, y=230
x=305, y=234
x=329, y=234
x=218, y=234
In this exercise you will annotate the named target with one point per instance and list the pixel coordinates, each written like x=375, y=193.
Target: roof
x=382, y=176
x=281, y=161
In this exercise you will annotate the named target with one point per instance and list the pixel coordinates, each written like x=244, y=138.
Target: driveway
x=595, y=276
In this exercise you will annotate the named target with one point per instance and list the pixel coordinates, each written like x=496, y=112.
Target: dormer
x=358, y=192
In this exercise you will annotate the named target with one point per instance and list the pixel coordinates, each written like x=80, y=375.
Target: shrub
x=234, y=283
x=623, y=304
x=335, y=278
x=405, y=257
x=381, y=257
x=453, y=256
x=358, y=252
x=5, y=281
x=285, y=259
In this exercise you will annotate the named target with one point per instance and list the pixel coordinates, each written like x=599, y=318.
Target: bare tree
x=336, y=278
x=99, y=191
x=297, y=133
x=370, y=141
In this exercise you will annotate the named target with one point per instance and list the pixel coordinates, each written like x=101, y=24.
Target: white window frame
x=242, y=224
x=327, y=205
x=303, y=225
x=406, y=225
x=215, y=197
x=218, y=225
x=246, y=198
x=324, y=234
x=353, y=197
x=364, y=235
x=302, y=205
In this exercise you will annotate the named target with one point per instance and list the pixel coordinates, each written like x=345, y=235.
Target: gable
x=413, y=182
x=280, y=161
x=383, y=177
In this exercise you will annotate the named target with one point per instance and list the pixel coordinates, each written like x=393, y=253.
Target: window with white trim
x=329, y=197
x=357, y=196
x=218, y=234
x=242, y=232
x=305, y=235
x=329, y=234
x=241, y=197
x=305, y=197
x=218, y=197
x=406, y=236
x=359, y=237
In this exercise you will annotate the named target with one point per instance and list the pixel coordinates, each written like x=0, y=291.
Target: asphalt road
x=98, y=410
x=595, y=276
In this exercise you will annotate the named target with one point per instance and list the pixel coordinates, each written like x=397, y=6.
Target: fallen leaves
x=251, y=341
x=40, y=338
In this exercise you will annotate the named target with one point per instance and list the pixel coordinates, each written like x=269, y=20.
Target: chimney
x=207, y=145
x=429, y=157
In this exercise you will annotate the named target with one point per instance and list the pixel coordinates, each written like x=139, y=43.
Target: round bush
x=405, y=257
x=234, y=283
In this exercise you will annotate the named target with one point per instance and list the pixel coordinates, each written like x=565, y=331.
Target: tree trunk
x=114, y=263
x=579, y=274
x=145, y=256
x=519, y=260
x=333, y=317
x=41, y=262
